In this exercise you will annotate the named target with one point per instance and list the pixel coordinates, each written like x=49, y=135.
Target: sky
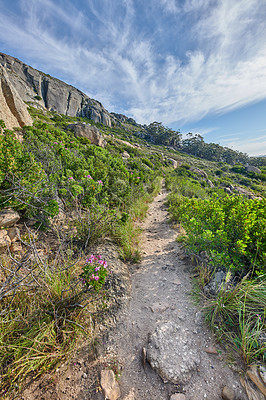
x=195, y=65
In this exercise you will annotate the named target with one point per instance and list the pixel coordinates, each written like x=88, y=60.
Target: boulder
x=172, y=353
x=216, y=282
x=13, y=110
x=174, y=162
x=210, y=183
x=89, y=132
x=251, y=168
x=8, y=217
x=199, y=172
x=246, y=193
x=125, y=155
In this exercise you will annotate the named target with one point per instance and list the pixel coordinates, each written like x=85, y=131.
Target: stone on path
x=171, y=353
x=109, y=385
x=211, y=350
x=178, y=396
x=228, y=393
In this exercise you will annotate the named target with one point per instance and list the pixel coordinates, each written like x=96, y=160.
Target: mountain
x=21, y=83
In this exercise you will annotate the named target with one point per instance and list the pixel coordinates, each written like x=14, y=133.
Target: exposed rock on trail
x=162, y=319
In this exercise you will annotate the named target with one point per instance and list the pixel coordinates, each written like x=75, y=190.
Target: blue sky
x=194, y=65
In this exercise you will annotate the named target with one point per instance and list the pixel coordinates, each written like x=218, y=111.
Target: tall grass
x=43, y=316
x=238, y=317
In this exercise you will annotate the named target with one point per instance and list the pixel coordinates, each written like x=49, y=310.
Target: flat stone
x=109, y=385
x=159, y=307
x=8, y=217
x=172, y=353
x=178, y=396
x=228, y=393
x=176, y=282
x=211, y=350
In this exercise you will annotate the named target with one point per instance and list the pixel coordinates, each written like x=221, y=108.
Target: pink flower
x=138, y=177
x=71, y=178
x=88, y=176
x=100, y=182
x=97, y=269
x=96, y=278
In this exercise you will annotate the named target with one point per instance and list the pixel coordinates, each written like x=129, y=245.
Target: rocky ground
x=156, y=346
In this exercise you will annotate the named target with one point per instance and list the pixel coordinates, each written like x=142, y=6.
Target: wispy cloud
x=254, y=146
x=106, y=52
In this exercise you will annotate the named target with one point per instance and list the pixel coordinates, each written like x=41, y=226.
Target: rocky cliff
x=13, y=111
x=33, y=86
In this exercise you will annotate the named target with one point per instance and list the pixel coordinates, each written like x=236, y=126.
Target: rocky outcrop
x=50, y=93
x=13, y=111
x=89, y=132
x=123, y=119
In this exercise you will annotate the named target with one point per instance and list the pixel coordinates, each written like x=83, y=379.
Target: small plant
x=94, y=272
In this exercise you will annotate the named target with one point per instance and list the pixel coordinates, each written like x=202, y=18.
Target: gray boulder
x=251, y=168
x=89, y=132
x=215, y=284
x=171, y=352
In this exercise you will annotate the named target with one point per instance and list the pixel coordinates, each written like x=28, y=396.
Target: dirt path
x=161, y=293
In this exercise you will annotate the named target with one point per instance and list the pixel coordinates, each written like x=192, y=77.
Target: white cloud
x=110, y=58
x=254, y=146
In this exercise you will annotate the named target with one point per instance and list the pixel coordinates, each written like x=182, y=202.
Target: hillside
x=75, y=183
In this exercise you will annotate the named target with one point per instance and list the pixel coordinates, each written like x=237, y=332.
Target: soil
x=161, y=292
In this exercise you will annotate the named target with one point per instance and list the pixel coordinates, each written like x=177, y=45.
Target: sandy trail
x=161, y=288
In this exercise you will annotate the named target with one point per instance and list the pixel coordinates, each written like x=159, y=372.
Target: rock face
x=13, y=111
x=171, y=353
x=89, y=132
x=50, y=93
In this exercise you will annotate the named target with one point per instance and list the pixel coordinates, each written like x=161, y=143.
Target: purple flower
x=97, y=269
x=88, y=176
x=55, y=143
x=71, y=178
x=96, y=278
x=138, y=177
x=100, y=182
